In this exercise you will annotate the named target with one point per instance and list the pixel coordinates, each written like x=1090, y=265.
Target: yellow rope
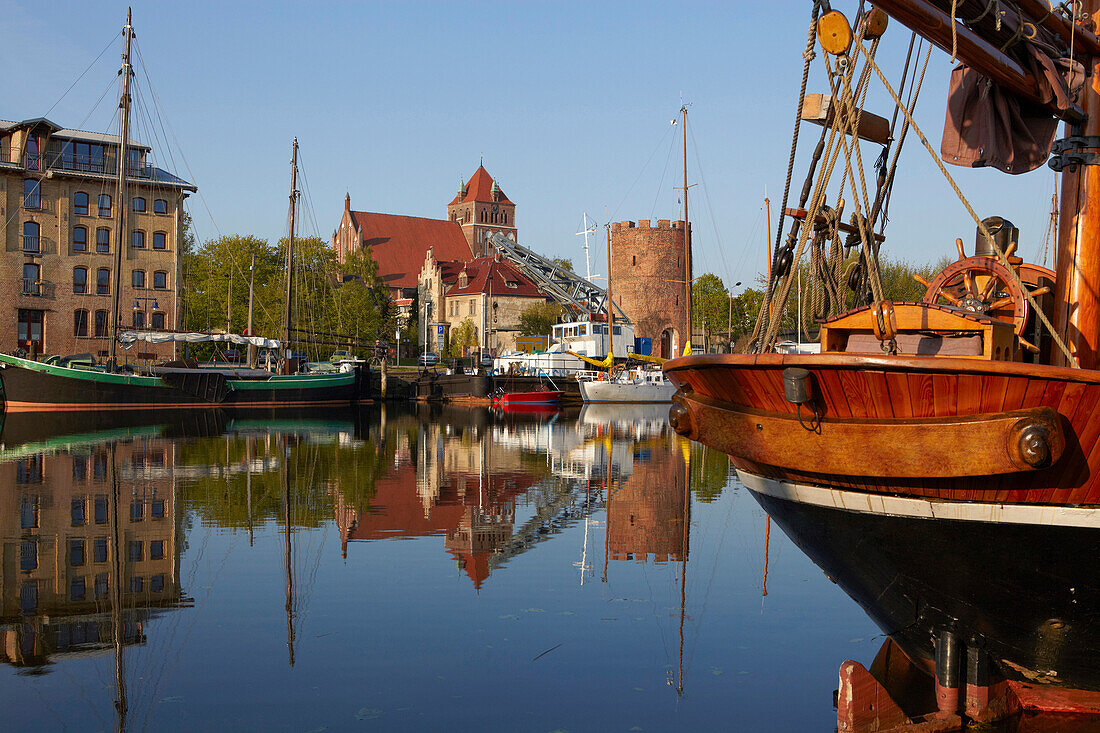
x=981, y=227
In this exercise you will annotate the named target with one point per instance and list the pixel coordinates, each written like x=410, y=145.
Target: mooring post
x=382, y=389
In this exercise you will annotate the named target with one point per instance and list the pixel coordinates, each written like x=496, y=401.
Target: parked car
x=428, y=358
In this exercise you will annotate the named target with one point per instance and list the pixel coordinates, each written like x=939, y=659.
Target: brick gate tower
x=648, y=270
x=482, y=209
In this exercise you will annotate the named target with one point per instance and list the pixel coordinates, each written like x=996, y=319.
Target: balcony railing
x=31, y=287
x=32, y=244
x=65, y=160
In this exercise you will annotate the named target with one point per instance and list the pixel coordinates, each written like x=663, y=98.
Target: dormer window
x=512, y=284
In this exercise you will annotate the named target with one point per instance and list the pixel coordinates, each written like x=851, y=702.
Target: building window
x=139, y=319
x=135, y=550
x=34, y=160
x=80, y=330
x=160, y=280
x=101, y=585
x=29, y=329
x=80, y=463
x=32, y=194
x=102, y=240
x=79, y=512
x=101, y=324
x=102, y=281
x=156, y=583
x=160, y=206
x=76, y=589
x=137, y=583
x=473, y=304
x=104, y=204
x=80, y=280
x=28, y=555
x=160, y=240
x=99, y=473
x=80, y=203
x=156, y=550
x=137, y=511
x=28, y=596
x=29, y=470
x=137, y=278
x=80, y=239
x=30, y=237
x=76, y=552
x=99, y=549
x=157, y=321
x=157, y=510
x=138, y=203
x=28, y=512
x=137, y=239
x=31, y=279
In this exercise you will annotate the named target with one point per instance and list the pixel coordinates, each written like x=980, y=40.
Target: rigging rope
x=981, y=226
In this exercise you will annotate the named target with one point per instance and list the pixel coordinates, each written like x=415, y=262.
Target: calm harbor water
x=444, y=568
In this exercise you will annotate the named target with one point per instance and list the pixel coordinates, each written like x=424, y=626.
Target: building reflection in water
x=70, y=542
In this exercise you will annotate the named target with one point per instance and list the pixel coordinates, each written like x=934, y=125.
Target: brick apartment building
x=58, y=243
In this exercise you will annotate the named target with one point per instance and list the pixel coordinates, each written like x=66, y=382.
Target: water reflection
x=98, y=510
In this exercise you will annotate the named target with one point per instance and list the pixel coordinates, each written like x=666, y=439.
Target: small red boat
x=545, y=397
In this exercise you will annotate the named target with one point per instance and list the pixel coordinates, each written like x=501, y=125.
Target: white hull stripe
x=897, y=506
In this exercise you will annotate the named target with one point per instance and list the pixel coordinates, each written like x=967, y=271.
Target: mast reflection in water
x=420, y=567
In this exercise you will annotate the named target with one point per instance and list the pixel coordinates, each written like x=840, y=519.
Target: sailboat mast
x=1077, y=289
x=290, y=244
x=251, y=293
x=121, y=237
x=610, y=305
x=287, y=548
x=687, y=232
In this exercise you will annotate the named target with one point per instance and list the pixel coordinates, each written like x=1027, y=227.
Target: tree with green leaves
x=564, y=263
x=539, y=319
x=709, y=304
x=462, y=336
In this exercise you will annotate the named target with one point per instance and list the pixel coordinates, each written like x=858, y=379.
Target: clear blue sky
x=396, y=102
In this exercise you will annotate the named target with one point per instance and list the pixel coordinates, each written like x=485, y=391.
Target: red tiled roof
x=400, y=243
x=486, y=275
x=480, y=188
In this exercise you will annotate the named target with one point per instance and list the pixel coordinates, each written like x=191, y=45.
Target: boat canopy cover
x=128, y=338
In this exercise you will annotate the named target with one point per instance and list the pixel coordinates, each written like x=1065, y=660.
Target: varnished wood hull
x=889, y=393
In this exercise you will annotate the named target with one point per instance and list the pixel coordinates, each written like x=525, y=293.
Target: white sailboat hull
x=627, y=391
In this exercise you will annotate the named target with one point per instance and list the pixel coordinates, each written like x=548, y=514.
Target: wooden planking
x=899, y=390
x=1033, y=397
x=773, y=380
x=854, y=393
x=922, y=395
x=993, y=393
x=830, y=381
x=1014, y=395
x=878, y=394
x=945, y=394
x=970, y=394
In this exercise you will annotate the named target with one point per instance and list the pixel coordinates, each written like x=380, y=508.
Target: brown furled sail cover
x=990, y=126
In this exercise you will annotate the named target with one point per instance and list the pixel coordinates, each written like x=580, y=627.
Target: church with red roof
x=424, y=257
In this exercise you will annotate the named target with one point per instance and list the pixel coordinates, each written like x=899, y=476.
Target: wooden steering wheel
x=984, y=285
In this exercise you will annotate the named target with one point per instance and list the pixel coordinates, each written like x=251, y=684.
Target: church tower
x=481, y=208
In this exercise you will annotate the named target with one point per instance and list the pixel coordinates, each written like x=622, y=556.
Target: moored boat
x=939, y=459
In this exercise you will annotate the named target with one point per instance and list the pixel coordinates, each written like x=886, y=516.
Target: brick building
x=649, y=270
x=399, y=244
x=489, y=292
x=59, y=239
x=482, y=209
x=647, y=517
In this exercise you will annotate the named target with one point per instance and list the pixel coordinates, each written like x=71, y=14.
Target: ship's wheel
x=984, y=285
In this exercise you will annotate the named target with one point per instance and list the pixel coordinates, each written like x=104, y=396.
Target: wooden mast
x=687, y=235
x=1077, y=292
x=121, y=238
x=610, y=307
x=290, y=249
